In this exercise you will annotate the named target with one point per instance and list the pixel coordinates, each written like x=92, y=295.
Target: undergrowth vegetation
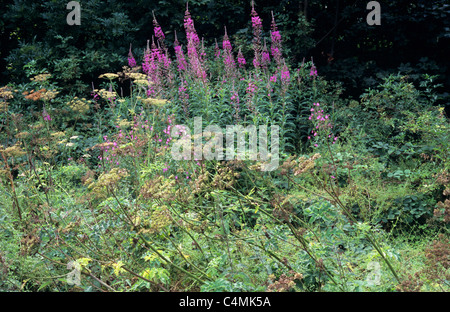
x=92, y=199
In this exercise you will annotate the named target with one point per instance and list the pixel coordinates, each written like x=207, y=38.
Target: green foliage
x=90, y=190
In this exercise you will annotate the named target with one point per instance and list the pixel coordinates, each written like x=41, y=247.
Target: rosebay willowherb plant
x=226, y=88
x=239, y=92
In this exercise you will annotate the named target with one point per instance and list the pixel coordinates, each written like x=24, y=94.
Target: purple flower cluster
x=265, y=56
x=226, y=44
x=131, y=59
x=313, y=72
x=181, y=60
x=147, y=60
x=322, y=123
x=285, y=76
x=191, y=33
x=157, y=65
x=191, y=63
x=241, y=59
x=151, y=57
x=193, y=48
x=46, y=116
x=228, y=59
x=158, y=31
x=276, y=43
x=257, y=30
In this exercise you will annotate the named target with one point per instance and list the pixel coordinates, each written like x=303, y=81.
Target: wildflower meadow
x=221, y=165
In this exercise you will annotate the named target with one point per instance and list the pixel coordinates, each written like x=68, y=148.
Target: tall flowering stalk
x=154, y=72
x=226, y=44
x=146, y=59
x=285, y=78
x=313, y=70
x=251, y=91
x=181, y=59
x=216, y=50
x=158, y=32
x=276, y=43
x=157, y=62
x=191, y=33
x=46, y=115
x=193, y=48
x=157, y=66
x=131, y=59
x=257, y=30
x=265, y=56
x=228, y=59
x=167, y=69
x=241, y=59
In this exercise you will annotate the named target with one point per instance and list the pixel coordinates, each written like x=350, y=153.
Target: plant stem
x=13, y=189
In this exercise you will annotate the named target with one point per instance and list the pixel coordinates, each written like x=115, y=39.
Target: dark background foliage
x=413, y=37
